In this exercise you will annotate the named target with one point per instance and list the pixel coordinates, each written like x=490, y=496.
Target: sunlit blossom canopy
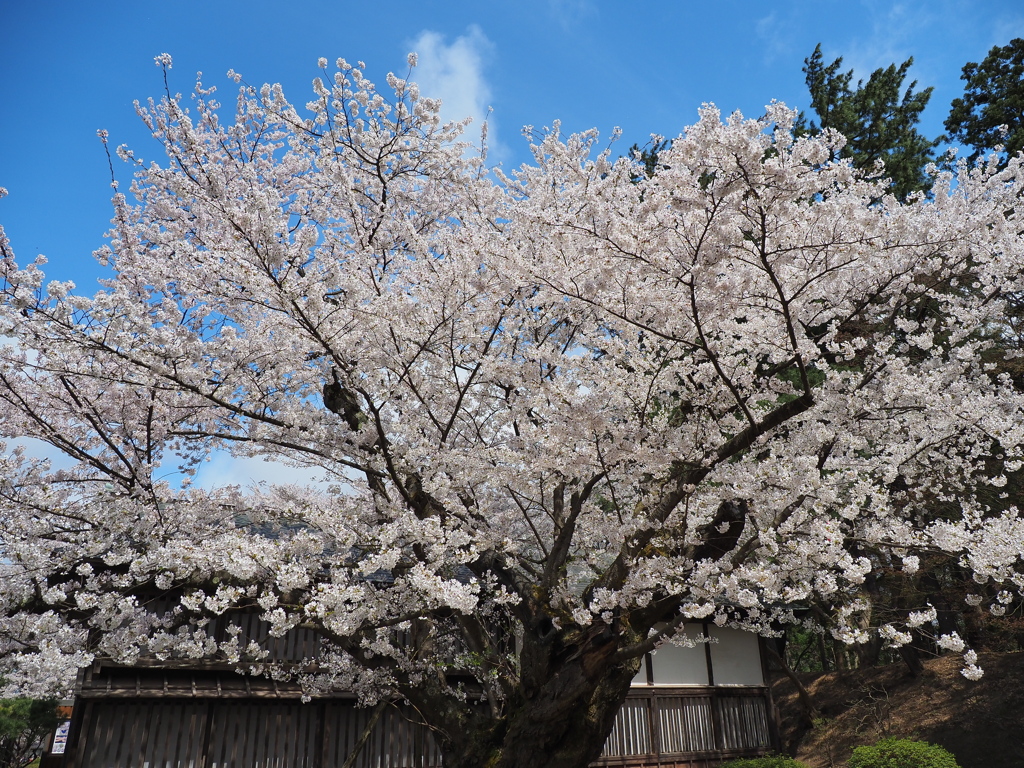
x=567, y=403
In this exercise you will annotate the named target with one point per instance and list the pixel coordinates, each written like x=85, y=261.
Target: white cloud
x=454, y=73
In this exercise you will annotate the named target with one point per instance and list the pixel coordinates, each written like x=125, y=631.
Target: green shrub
x=773, y=761
x=24, y=725
x=902, y=753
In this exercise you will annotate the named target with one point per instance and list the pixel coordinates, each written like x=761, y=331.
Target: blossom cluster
x=567, y=398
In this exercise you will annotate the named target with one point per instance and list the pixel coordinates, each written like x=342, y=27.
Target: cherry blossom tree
x=558, y=411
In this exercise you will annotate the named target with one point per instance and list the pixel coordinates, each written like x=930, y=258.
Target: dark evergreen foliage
x=993, y=97
x=24, y=724
x=648, y=157
x=877, y=117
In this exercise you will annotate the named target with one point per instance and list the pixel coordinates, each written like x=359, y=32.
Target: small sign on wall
x=60, y=738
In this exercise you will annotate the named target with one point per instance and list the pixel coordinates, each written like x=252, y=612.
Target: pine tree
x=879, y=124
x=648, y=157
x=993, y=98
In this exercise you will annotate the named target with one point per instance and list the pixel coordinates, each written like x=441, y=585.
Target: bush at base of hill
x=771, y=761
x=902, y=753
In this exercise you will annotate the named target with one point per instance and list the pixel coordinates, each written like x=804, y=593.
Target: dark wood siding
x=144, y=734
x=395, y=741
x=261, y=734
x=656, y=726
x=165, y=717
x=167, y=733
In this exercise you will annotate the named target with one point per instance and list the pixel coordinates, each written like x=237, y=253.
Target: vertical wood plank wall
x=688, y=727
x=161, y=733
x=695, y=727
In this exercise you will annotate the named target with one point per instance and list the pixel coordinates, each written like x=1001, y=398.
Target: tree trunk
x=868, y=653
x=350, y=761
x=912, y=658
x=823, y=654
x=811, y=711
x=561, y=722
x=946, y=614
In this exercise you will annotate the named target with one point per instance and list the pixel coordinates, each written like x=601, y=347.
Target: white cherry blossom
x=553, y=407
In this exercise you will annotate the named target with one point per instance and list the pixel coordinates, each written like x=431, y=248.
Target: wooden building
x=690, y=706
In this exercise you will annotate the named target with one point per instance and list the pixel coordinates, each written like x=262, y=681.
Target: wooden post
x=774, y=724
x=716, y=715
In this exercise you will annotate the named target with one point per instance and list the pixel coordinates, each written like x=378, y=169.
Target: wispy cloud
x=777, y=35
x=570, y=13
x=454, y=73
x=896, y=30
x=1003, y=30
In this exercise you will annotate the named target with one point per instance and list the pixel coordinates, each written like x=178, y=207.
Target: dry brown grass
x=981, y=723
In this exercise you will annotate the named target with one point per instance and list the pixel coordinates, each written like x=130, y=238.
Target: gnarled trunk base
x=562, y=724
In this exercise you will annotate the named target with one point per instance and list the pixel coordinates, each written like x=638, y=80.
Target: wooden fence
x=689, y=726
x=225, y=733
x=156, y=716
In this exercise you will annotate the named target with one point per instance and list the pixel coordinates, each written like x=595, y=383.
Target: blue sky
x=68, y=68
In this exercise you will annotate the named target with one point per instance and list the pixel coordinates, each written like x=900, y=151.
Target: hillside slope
x=981, y=723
